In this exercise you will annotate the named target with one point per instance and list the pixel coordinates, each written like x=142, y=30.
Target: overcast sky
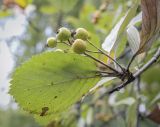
x=9, y=27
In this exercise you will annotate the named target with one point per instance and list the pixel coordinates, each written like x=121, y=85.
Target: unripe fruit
x=63, y=34
x=51, y=42
x=81, y=33
x=79, y=46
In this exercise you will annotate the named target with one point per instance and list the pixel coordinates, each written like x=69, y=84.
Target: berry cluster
x=78, y=37
x=78, y=40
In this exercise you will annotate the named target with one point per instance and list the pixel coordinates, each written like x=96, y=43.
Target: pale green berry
x=81, y=33
x=79, y=46
x=63, y=34
x=51, y=42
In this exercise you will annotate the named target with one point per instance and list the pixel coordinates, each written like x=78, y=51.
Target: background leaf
x=61, y=5
x=113, y=37
x=102, y=82
x=136, y=19
x=132, y=115
x=133, y=38
x=150, y=23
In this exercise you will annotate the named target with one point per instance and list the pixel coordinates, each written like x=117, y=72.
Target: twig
x=131, y=78
x=69, y=42
x=149, y=63
x=138, y=73
x=106, y=55
x=105, y=72
x=118, y=88
x=130, y=62
x=93, y=51
x=114, y=70
x=153, y=60
x=66, y=43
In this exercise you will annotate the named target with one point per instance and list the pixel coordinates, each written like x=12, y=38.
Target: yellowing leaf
x=105, y=59
x=21, y=3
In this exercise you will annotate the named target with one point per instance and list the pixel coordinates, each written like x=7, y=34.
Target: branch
x=114, y=70
x=93, y=51
x=153, y=60
x=138, y=73
x=106, y=55
x=134, y=76
x=130, y=62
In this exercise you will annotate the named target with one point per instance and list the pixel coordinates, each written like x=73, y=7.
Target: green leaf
x=147, y=123
x=48, y=9
x=127, y=101
x=51, y=82
x=118, y=120
x=63, y=5
x=136, y=20
x=152, y=75
x=113, y=38
x=132, y=115
x=119, y=49
x=4, y=14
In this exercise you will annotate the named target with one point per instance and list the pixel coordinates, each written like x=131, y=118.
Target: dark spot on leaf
x=55, y=97
x=44, y=111
x=43, y=64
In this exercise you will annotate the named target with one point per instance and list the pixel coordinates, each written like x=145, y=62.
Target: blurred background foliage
x=41, y=19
